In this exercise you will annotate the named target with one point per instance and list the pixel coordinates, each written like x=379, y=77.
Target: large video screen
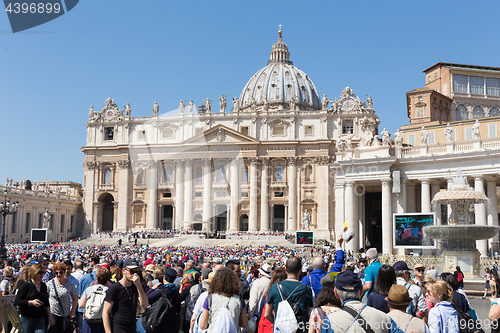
x=39, y=235
x=408, y=231
x=304, y=237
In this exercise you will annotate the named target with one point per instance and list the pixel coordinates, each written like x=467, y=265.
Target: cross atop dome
x=279, y=51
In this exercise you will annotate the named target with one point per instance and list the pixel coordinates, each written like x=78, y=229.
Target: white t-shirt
x=198, y=307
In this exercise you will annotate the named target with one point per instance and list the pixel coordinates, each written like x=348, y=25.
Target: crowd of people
x=112, y=288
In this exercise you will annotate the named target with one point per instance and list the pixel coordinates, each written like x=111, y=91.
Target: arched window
x=477, y=112
x=278, y=173
x=308, y=173
x=494, y=111
x=461, y=112
x=221, y=173
x=244, y=222
x=169, y=175
x=244, y=175
x=199, y=175
x=107, y=176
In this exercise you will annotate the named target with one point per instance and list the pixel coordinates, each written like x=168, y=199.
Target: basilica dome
x=280, y=85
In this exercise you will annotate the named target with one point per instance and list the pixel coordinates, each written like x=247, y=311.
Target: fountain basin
x=461, y=232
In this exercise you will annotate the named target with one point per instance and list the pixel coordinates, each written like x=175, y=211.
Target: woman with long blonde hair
x=443, y=317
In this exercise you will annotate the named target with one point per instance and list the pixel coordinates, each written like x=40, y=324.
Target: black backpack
x=192, y=303
x=156, y=314
x=467, y=323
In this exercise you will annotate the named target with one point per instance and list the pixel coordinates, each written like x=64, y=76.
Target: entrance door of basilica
x=221, y=218
x=167, y=217
x=279, y=218
x=108, y=213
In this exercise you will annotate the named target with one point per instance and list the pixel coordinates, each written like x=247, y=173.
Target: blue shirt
x=84, y=283
x=371, y=273
x=313, y=280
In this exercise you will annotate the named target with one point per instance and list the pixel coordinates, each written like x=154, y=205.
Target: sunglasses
x=133, y=271
x=420, y=270
x=59, y=272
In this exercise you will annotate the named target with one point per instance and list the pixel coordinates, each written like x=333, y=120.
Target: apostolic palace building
x=285, y=157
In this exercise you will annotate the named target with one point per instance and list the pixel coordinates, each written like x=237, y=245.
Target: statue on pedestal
x=369, y=102
x=190, y=106
x=398, y=138
x=306, y=220
x=156, y=109
x=386, y=138
x=448, y=132
x=236, y=105
x=222, y=103
x=128, y=110
x=46, y=219
x=324, y=102
x=424, y=136
x=208, y=105
x=182, y=107
x=475, y=130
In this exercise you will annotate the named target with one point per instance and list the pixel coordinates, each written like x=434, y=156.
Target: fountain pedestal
x=468, y=260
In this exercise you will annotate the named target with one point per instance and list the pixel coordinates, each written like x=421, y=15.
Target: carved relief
x=124, y=164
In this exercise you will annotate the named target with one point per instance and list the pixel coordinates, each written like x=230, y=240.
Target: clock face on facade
x=348, y=104
x=109, y=113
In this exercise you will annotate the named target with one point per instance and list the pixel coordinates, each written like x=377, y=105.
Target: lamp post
x=6, y=208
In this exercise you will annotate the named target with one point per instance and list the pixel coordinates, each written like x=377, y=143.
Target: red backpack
x=460, y=277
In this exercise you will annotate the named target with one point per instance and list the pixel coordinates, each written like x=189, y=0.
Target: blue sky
x=158, y=50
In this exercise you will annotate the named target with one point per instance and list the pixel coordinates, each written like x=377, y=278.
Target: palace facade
x=282, y=153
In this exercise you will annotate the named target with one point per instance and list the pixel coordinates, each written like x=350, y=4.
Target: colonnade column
x=425, y=196
x=339, y=207
x=188, y=194
x=410, y=198
x=123, y=195
x=350, y=214
x=179, y=194
x=480, y=212
x=264, y=196
x=89, y=199
x=152, y=219
x=386, y=217
x=435, y=188
x=492, y=209
x=235, y=194
x=207, y=192
x=252, y=227
x=292, y=194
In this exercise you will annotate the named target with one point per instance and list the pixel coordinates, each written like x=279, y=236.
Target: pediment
x=221, y=134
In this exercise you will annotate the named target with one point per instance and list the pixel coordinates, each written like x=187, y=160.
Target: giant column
x=492, y=209
x=188, y=194
x=410, y=198
x=152, y=219
x=179, y=194
x=124, y=193
x=89, y=198
x=292, y=194
x=253, y=195
x=264, y=197
x=339, y=207
x=426, y=196
x=235, y=195
x=480, y=212
x=324, y=200
x=350, y=215
x=207, y=191
x=386, y=217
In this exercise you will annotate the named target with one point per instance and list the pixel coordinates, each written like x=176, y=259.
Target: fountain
x=460, y=233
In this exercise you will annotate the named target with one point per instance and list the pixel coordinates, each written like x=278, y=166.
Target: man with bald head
x=313, y=280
